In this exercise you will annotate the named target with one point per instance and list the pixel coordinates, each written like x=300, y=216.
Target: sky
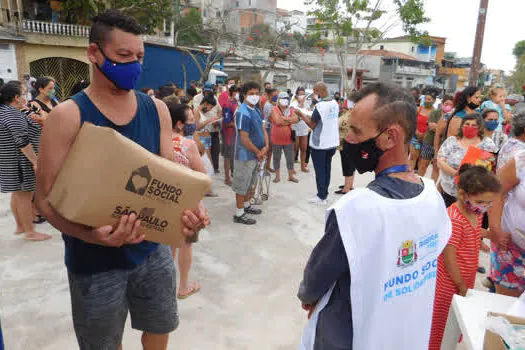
x=456, y=20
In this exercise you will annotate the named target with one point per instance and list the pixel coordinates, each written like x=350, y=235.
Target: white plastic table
x=467, y=316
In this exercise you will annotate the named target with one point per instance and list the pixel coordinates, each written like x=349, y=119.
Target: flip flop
x=195, y=288
x=276, y=181
x=294, y=180
x=38, y=238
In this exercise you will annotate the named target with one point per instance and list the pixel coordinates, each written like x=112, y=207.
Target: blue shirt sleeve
x=326, y=265
x=244, y=122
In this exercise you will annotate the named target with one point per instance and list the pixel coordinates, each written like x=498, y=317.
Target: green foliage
x=519, y=49
x=411, y=13
x=518, y=76
x=189, y=28
x=150, y=13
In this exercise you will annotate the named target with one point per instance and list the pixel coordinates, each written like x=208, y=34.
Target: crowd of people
x=428, y=228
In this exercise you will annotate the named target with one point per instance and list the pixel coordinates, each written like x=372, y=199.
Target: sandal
x=294, y=180
x=194, y=288
x=276, y=180
x=39, y=220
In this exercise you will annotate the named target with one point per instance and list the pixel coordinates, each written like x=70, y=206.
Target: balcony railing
x=41, y=27
x=63, y=29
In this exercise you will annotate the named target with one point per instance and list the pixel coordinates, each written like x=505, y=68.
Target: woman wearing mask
x=229, y=107
x=453, y=150
x=491, y=120
x=427, y=148
x=45, y=99
x=301, y=129
x=187, y=154
x=283, y=117
x=507, y=223
x=204, y=123
x=468, y=102
x=19, y=136
x=423, y=117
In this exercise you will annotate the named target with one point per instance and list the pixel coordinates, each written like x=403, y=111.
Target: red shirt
x=281, y=134
x=422, y=122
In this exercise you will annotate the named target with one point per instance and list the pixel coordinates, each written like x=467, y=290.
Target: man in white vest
x=387, y=237
x=324, y=139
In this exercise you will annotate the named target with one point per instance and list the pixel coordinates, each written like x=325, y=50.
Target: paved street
x=249, y=277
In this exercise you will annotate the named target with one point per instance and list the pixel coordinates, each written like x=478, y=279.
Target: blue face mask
x=274, y=99
x=491, y=125
x=189, y=129
x=124, y=75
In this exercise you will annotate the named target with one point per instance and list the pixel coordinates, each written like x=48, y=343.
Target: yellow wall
x=34, y=52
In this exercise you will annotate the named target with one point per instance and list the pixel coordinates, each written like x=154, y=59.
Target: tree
x=518, y=76
x=519, y=49
x=152, y=14
x=188, y=28
x=358, y=24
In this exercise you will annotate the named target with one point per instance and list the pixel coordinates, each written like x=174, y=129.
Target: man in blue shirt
x=250, y=148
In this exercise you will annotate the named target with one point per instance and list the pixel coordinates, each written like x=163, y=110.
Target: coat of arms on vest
x=407, y=254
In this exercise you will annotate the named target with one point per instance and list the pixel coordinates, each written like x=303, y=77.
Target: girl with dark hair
x=468, y=103
x=187, y=154
x=453, y=150
x=428, y=146
x=300, y=104
x=19, y=139
x=423, y=125
x=229, y=107
x=457, y=265
x=45, y=99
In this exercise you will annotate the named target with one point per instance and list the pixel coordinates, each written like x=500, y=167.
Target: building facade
x=34, y=41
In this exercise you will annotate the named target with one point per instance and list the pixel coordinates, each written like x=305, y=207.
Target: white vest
x=392, y=247
x=328, y=136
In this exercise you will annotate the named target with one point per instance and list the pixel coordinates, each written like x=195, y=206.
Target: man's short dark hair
x=250, y=85
x=487, y=112
x=191, y=92
x=209, y=99
x=108, y=20
x=272, y=91
x=394, y=105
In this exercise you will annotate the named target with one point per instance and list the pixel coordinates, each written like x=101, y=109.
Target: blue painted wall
x=163, y=65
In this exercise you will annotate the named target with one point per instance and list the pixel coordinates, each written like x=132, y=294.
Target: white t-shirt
x=513, y=218
x=326, y=133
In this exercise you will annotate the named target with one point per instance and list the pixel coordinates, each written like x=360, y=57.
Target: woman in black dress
x=19, y=135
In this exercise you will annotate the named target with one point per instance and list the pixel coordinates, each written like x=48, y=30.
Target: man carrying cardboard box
x=112, y=269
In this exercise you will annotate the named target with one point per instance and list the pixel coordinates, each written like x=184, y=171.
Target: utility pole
x=478, y=44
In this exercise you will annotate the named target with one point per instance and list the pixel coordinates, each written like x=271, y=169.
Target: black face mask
x=472, y=105
x=367, y=155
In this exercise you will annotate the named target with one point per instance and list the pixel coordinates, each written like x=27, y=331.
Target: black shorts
x=348, y=155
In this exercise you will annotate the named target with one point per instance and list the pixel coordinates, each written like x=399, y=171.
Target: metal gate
x=66, y=71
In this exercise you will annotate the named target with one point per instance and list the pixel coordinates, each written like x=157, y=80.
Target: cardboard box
x=492, y=340
x=106, y=175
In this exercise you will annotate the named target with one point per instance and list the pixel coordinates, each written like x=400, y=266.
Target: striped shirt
x=467, y=241
x=17, y=130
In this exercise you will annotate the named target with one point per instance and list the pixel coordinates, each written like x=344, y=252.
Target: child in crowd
x=457, y=265
x=187, y=154
x=497, y=97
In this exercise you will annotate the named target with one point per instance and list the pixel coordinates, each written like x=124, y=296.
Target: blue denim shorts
x=206, y=141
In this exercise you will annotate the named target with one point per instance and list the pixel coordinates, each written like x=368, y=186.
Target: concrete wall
x=406, y=47
x=8, y=66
